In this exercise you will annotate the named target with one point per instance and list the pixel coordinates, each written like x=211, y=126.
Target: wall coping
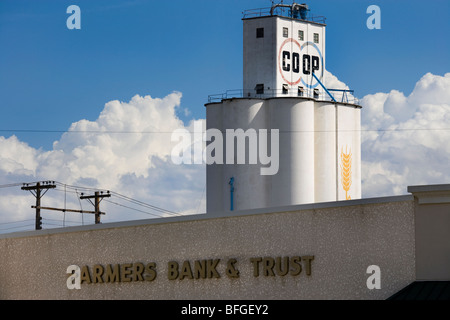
x=431, y=194
x=205, y=216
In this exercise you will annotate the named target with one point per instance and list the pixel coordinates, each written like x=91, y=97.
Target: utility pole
x=37, y=193
x=97, y=198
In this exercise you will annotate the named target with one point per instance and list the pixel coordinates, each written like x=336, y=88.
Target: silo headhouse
x=313, y=129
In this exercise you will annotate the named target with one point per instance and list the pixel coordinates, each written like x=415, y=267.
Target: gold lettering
x=186, y=271
x=125, y=270
x=203, y=269
x=85, y=275
x=268, y=264
x=138, y=270
x=172, y=270
x=255, y=262
x=112, y=274
x=296, y=266
x=231, y=270
x=308, y=264
x=278, y=267
x=211, y=268
x=200, y=269
x=98, y=272
x=150, y=271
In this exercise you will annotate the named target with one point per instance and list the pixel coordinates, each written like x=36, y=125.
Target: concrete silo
x=286, y=108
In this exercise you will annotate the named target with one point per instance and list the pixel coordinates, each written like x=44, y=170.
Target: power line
x=170, y=132
x=38, y=189
x=11, y=228
x=121, y=205
x=8, y=225
x=201, y=198
x=80, y=131
x=145, y=204
x=10, y=185
x=68, y=221
x=118, y=195
x=18, y=221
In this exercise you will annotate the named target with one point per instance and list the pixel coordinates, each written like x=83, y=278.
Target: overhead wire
x=120, y=196
x=201, y=198
x=67, y=188
x=16, y=227
x=134, y=204
x=149, y=213
x=170, y=132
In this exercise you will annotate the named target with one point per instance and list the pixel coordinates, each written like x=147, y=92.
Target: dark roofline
x=287, y=18
x=424, y=290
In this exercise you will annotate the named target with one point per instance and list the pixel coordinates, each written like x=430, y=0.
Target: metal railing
x=340, y=95
x=279, y=11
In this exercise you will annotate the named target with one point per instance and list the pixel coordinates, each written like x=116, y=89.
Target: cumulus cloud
x=125, y=139
x=17, y=157
x=332, y=82
x=406, y=138
x=126, y=149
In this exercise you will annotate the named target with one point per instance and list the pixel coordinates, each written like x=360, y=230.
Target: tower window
x=260, y=32
x=259, y=88
x=300, y=35
x=285, y=32
x=316, y=93
x=316, y=38
x=285, y=88
x=300, y=91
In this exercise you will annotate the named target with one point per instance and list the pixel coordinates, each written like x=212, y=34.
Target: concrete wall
x=432, y=228
x=344, y=238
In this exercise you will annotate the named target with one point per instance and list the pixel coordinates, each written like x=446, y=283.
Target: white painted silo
x=348, y=119
x=294, y=182
x=230, y=117
x=214, y=172
x=325, y=156
x=248, y=116
x=318, y=142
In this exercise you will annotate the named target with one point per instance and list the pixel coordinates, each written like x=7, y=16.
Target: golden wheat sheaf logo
x=346, y=171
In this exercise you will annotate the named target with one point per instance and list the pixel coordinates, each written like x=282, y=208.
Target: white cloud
x=126, y=150
x=332, y=82
x=17, y=157
x=406, y=138
x=123, y=140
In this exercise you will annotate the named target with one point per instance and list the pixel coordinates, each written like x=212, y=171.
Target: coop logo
x=296, y=63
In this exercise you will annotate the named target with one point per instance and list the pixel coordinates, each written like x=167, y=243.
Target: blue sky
x=178, y=52
x=51, y=77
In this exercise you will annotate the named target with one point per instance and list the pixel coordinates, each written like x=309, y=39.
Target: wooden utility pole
x=97, y=198
x=36, y=190
x=37, y=193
